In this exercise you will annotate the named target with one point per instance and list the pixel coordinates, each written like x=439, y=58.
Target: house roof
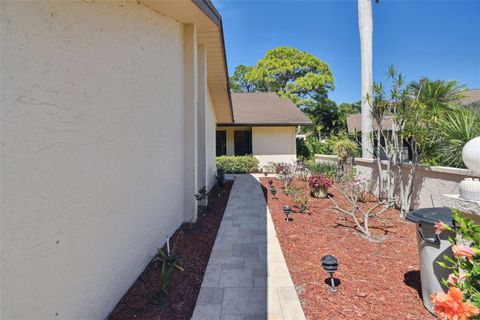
x=470, y=96
x=354, y=122
x=265, y=109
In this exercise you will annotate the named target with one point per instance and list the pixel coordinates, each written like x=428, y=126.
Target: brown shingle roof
x=354, y=122
x=266, y=108
x=470, y=96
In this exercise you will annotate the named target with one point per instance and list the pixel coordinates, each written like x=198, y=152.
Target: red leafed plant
x=319, y=182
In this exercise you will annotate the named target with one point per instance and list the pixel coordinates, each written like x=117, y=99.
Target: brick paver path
x=247, y=277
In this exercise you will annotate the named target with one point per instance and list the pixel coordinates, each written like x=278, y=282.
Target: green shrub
x=292, y=191
x=318, y=147
x=456, y=129
x=328, y=169
x=237, y=164
x=344, y=148
x=302, y=150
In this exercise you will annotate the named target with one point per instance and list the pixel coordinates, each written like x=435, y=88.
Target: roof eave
x=209, y=9
x=204, y=14
x=246, y=124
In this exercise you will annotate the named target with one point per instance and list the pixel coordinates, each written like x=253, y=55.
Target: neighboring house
x=354, y=121
x=471, y=97
x=109, y=111
x=265, y=126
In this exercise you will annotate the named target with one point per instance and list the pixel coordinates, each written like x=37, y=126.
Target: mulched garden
x=377, y=280
x=193, y=245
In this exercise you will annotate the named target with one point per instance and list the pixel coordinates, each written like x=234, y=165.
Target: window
x=243, y=142
x=221, y=143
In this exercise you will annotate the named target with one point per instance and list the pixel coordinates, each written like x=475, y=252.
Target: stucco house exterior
x=354, y=121
x=109, y=110
x=265, y=126
x=471, y=97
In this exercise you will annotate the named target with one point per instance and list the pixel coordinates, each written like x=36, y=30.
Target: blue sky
x=437, y=39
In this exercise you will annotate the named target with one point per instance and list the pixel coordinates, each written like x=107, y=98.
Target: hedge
x=328, y=169
x=237, y=164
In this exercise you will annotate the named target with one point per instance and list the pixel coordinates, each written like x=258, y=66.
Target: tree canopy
x=294, y=74
x=239, y=83
x=298, y=75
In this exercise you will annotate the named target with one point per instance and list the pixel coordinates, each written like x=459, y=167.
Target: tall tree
x=238, y=82
x=439, y=96
x=365, y=26
x=295, y=74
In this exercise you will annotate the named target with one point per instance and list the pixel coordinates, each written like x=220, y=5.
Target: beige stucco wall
x=91, y=134
x=230, y=142
x=230, y=133
x=206, y=123
x=210, y=141
x=430, y=183
x=269, y=144
x=274, y=144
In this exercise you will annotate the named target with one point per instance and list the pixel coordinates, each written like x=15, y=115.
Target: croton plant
x=462, y=301
x=320, y=182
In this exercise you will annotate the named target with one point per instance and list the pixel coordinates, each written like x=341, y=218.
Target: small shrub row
x=237, y=164
x=341, y=144
x=328, y=169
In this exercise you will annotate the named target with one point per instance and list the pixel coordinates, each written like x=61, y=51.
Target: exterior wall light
x=330, y=264
x=270, y=182
x=286, y=211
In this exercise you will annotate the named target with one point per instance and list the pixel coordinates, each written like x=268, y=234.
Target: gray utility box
x=431, y=249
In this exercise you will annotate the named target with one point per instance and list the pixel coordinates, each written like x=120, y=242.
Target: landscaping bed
x=193, y=245
x=377, y=280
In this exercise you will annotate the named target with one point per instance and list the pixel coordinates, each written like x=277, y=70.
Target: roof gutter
x=262, y=124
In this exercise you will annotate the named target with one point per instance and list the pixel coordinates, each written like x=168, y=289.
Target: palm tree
x=365, y=26
x=438, y=96
x=457, y=129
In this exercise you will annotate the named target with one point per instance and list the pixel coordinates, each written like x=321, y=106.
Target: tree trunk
x=365, y=26
x=379, y=162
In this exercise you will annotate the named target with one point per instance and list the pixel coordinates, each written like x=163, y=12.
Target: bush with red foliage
x=319, y=182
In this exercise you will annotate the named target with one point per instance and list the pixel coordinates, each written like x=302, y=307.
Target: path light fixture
x=274, y=192
x=330, y=264
x=286, y=211
x=270, y=182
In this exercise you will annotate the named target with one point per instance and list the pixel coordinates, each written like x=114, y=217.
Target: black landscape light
x=286, y=211
x=274, y=192
x=270, y=182
x=330, y=264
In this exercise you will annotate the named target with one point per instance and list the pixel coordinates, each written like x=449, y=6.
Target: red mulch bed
x=193, y=244
x=377, y=280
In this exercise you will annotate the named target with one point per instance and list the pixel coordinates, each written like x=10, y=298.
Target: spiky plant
x=457, y=128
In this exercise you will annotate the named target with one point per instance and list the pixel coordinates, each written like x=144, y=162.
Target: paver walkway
x=247, y=277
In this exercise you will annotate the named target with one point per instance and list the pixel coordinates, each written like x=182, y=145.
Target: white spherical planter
x=471, y=155
x=471, y=158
